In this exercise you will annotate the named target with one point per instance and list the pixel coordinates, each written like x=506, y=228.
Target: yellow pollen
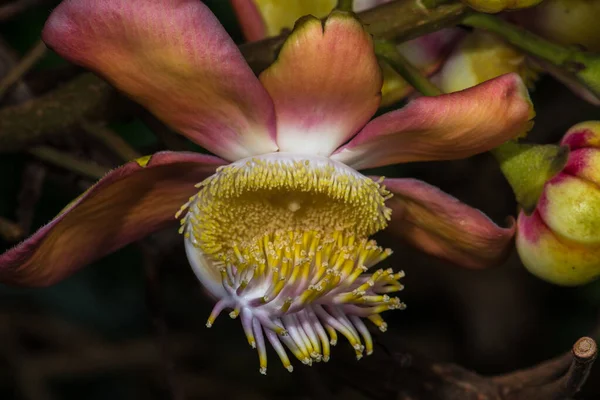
x=245, y=201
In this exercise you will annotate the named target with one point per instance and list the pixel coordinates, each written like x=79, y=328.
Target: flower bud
x=494, y=6
x=560, y=240
x=478, y=57
x=568, y=22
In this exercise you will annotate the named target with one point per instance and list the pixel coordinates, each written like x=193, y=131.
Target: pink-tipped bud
x=560, y=240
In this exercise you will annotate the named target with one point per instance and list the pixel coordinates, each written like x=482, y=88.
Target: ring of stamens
x=287, y=237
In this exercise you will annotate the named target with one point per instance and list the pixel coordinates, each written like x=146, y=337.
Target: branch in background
x=395, y=372
x=25, y=64
x=20, y=92
x=57, y=113
x=391, y=372
x=32, y=182
x=10, y=231
x=583, y=355
x=69, y=162
x=16, y=7
x=65, y=351
x=111, y=140
x=48, y=154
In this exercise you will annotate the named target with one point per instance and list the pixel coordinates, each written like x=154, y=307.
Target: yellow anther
x=234, y=314
x=286, y=305
x=332, y=335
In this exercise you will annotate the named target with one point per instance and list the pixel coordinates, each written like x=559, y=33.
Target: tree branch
x=14, y=75
x=56, y=113
x=407, y=375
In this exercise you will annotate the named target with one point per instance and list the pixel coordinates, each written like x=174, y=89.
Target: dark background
x=132, y=325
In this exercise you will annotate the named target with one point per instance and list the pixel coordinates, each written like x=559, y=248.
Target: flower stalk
x=389, y=53
x=345, y=5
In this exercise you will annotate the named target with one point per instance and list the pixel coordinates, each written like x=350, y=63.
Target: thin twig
x=32, y=182
x=25, y=64
x=538, y=375
x=69, y=162
x=11, y=10
x=389, y=52
x=111, y=140
x=19, y=92
x=10, y=231
x=585, y=352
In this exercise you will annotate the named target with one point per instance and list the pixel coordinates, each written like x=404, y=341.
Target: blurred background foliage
x=492, y=321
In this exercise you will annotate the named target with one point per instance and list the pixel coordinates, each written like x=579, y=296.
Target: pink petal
x=174, y=58
x=441, y=225
x=250, y=18
x=127, y=204
x=325, y=84
x=446, y=127
x=427, y=52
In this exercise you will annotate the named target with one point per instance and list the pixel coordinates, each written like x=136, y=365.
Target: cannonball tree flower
x=558, y=234
x=278, y=226
x=260, y=19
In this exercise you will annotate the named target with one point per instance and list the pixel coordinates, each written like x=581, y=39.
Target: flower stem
x=390, y=54
x=527, y=168
x=345, y=5
x=584, y=67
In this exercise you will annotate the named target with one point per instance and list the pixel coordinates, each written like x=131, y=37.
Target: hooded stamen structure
x=283, y=241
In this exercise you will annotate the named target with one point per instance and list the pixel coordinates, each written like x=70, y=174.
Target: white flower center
x=282, y=239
